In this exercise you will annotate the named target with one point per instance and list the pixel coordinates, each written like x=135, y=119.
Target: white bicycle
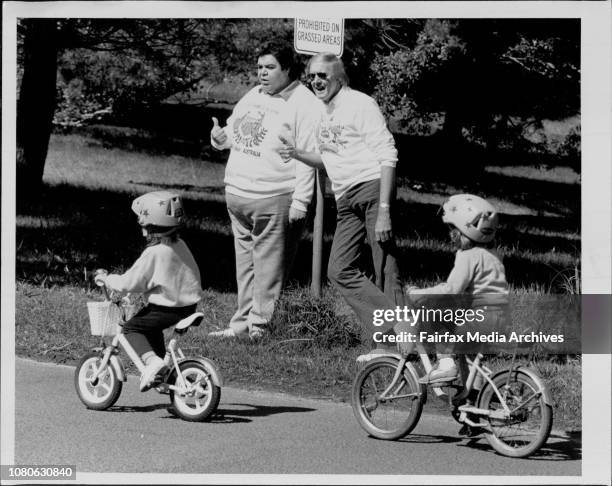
x=513, y=409
x=193, y=383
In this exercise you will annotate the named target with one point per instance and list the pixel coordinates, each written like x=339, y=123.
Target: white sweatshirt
x=255, y=169
x=353, y=140
x=166, y=274
x=478, y=272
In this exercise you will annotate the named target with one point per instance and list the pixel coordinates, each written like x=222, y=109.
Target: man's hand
x=288, y=151
x=296, y=215
x=217, y=133
x=382, y=228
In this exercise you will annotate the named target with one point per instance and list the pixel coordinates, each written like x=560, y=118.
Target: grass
x=81, y=221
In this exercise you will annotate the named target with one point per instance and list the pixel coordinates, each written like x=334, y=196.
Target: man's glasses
x=311, y=77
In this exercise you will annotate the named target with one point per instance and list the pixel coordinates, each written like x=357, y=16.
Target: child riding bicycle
x=478, y=274
x=165, y=273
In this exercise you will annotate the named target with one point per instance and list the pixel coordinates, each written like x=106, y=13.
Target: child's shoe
x=155, y=365
x=437, y=375
x=470, y=430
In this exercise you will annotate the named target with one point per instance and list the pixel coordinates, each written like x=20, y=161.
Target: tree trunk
x=36, y=104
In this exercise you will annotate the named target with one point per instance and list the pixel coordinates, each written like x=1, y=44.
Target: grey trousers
x=263, y=249
x=357, y=213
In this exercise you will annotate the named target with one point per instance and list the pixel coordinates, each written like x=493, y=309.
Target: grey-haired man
x=358, y=152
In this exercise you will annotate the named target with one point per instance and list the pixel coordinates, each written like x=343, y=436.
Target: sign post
x=312, y=36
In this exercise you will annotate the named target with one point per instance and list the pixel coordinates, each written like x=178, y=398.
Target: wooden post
x=317, y=235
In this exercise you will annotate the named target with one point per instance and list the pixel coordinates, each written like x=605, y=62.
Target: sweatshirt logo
x=248, y=129
x=328, y=137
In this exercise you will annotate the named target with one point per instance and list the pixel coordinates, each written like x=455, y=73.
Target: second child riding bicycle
x=165, y=273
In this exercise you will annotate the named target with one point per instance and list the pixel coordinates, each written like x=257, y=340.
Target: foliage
x=488, y=79
x=418, y=70
x=487, y=82
x=301, y=317
x=404, y=77
x=119, y=66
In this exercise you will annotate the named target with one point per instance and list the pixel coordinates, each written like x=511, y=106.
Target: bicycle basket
x=105, y=317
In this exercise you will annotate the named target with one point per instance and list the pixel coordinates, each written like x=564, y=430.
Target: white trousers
x=261, y=243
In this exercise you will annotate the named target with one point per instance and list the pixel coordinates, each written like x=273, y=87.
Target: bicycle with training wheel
x=513, y=409
x=192, y=383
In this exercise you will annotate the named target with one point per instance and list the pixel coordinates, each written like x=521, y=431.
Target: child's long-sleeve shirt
x=478, y=272
x=166, y=274
x=353, y=140
x=255, y=169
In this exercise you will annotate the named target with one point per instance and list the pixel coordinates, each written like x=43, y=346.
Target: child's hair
x=158, y=234
x=461, y=242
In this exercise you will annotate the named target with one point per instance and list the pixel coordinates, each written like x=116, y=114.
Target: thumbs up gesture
x=287, y=151
x=217, y=133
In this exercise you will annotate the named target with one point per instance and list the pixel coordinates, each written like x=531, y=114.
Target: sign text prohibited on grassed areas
x=314, y=35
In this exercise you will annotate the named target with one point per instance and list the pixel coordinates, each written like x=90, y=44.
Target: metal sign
x=312, y=36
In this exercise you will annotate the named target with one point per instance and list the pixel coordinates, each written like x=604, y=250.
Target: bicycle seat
x=192, y=320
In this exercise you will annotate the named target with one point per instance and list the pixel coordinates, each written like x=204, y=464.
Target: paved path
x=253, y=433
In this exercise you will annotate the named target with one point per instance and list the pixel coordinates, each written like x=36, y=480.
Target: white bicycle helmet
x=473, y=216
x=160, y=208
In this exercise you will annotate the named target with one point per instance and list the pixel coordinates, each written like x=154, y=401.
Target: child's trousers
x=144, y=331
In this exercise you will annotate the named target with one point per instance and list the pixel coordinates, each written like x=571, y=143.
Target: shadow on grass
x=67, y=231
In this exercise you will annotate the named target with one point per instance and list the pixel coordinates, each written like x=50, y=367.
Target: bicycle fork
x=393, y=388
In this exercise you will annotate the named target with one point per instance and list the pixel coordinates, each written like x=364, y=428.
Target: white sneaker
x=150, y=372
x=228, y=333
x=436, y=375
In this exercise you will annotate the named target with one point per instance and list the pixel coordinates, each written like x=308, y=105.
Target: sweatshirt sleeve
x=307, y=118
x=138, y=278
x=458, y=280
x=228, y=127
x=376, y=134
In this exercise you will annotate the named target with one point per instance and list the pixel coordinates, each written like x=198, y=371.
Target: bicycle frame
x=475, y=368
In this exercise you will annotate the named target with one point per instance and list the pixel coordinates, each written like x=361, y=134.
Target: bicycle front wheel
x=395, y=415
x=528, y=426
x=101, y=393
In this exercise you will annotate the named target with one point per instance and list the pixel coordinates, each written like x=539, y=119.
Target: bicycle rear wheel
x=529, y=425
x=396, y=415
x=203, y=397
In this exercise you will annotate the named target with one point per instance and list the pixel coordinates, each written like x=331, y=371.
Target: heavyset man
x=267, y=196
x=358, y=152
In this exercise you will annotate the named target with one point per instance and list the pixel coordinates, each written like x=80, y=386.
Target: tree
x=480, y=75
x=484, y=77
x=36, y=103
x=118, y=66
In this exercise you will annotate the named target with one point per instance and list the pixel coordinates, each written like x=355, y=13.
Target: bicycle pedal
x=471, y=430
x=163, y=388
x=469, y=409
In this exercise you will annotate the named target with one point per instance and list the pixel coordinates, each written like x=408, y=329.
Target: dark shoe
x=471, y=431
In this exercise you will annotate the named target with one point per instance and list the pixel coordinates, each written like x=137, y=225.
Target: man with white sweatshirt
x=265, y=193
x=358, y=152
